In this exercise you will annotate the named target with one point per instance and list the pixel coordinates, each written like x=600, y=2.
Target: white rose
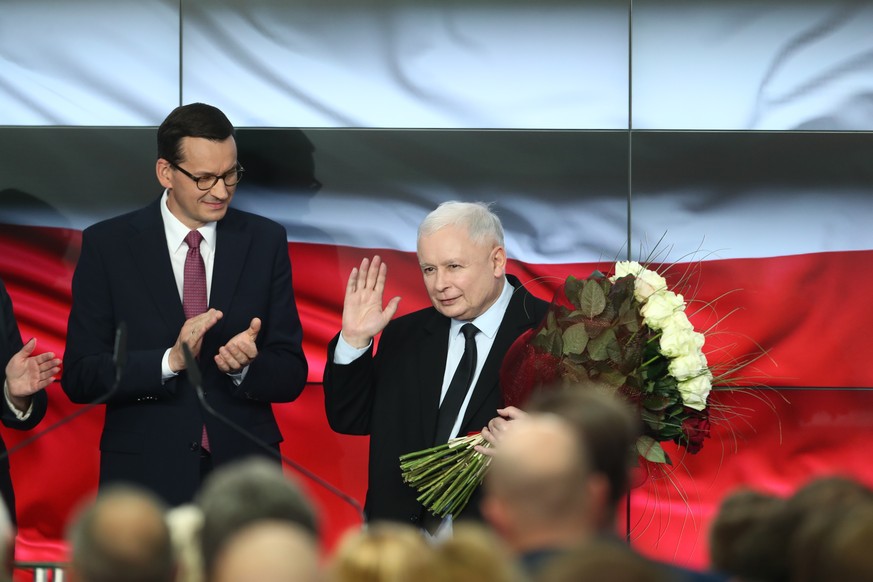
x=624, y=268
x=694, y=391
x=688, y=366
x=660, y=307
x=679, y=341
x=648, y=283
x=678, y=321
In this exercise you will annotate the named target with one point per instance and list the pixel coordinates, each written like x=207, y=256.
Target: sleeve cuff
x=344, y=353
x=238, y=377
x=166, y=372
x=18, y=414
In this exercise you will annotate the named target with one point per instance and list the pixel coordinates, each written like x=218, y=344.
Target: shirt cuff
x=345, y=353
x=238, y=377
x=18, y=414
x=166, y=372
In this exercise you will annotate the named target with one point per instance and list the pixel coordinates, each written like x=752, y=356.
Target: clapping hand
x=192, y=333
x=27, y=374
x=240, y=351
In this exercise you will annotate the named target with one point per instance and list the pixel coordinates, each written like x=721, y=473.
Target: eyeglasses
x=207, y=182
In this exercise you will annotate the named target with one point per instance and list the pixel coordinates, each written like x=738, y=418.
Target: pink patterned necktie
x=194, y=291
x=194, y=285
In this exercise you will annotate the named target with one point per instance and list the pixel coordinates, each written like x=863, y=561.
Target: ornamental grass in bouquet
x=626, y=331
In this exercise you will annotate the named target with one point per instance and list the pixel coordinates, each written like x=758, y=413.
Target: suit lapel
x=432, y=365
x=231, y=248
x=516, y=320
x=148, y=249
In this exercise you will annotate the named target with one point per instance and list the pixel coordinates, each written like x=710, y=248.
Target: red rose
x=525, y=369
x=695, y=429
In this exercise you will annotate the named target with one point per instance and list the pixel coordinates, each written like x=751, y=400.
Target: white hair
x=481, y=223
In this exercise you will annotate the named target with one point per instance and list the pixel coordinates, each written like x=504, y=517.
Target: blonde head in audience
x=268, y=551
x=185, y=522
x=474, y=553
x=383, y=552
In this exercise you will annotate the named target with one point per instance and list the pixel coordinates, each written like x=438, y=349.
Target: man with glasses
x=185, y=270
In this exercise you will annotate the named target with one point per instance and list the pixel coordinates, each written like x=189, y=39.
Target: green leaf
x=592, y=299
x=651, y=450
x=551, y=322
x=652, y=420
x=613, y=378
x=613, y=350
x=598, y=348
x=572, y=287
x=657, y=402
x=575, y=338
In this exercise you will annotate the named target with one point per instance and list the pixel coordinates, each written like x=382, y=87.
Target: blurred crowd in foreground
x=550, y=500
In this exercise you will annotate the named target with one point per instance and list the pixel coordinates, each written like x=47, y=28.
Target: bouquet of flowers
x=627, y=331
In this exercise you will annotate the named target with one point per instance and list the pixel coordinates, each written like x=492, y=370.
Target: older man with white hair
x=435, y=373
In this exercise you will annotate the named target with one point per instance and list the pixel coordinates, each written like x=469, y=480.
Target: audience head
x=538, y=490
x=784, y=545
x=245, y=492
x=738, y=513
x=383, y=552
x=831, y=513
x=268, y=551
x=608, y=428
x=604, y=560
x=462, y=258
x=185, y=522
x=474, y=553
x=844, y=547
x=121, y=536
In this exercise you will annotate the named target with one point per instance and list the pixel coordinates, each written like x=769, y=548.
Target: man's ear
x=494, y=512
x=164, y=171
x=498, y=261
x=599, y=502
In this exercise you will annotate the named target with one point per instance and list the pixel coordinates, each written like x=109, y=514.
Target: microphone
x=197, y=380
x=119, y=358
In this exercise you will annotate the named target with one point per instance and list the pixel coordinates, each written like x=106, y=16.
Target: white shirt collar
x=489, y=322
x=176, y=231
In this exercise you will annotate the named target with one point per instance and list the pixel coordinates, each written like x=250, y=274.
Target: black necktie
x=458, y=387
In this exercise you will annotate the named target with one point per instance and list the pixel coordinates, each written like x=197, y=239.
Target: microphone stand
x=197, y=380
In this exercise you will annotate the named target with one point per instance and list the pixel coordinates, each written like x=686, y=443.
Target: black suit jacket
x=10, y=344
x=152, y=429
x=394, y=397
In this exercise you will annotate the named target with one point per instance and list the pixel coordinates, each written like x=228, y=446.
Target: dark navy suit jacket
x=394, y=397
x=152, y=429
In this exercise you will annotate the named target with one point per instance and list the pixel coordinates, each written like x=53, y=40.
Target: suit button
x=194, y=446
x=413, y=518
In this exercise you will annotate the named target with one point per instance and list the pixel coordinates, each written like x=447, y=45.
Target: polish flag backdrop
x=803, y=409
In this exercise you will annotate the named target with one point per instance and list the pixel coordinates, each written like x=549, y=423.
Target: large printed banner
x=776, y=271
